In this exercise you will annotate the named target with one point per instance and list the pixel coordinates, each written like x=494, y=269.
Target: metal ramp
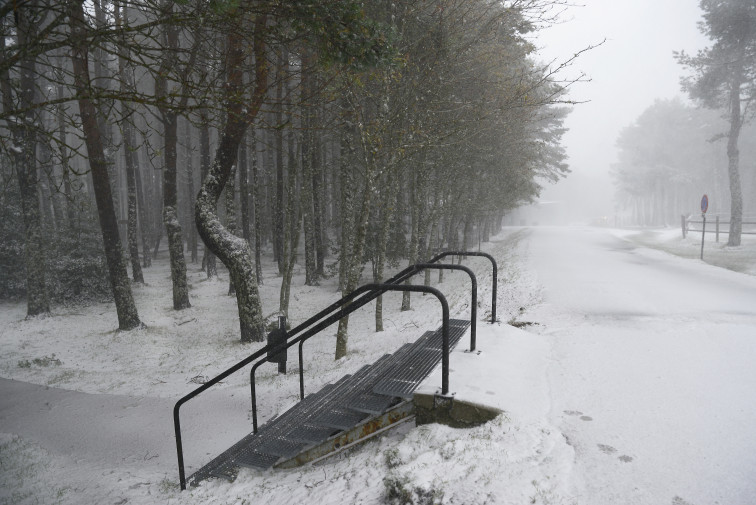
x=354, y=408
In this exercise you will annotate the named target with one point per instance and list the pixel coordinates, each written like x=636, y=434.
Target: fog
x=631, y=68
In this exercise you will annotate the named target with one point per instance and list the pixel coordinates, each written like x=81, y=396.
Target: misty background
x=632, y=68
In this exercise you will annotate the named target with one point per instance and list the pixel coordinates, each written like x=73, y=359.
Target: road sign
x=704, y=204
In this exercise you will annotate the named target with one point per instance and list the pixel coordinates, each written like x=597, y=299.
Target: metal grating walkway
x=355, y=400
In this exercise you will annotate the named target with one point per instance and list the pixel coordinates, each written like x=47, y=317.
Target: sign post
x=704, y=208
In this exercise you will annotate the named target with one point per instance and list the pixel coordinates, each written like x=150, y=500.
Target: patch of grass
x=62, y=377
x=400, y=491
x=392, y=458
x=42, y=362
x=167, y=486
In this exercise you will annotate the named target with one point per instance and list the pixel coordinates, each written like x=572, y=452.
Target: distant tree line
x=360, y=133
x=670, y=157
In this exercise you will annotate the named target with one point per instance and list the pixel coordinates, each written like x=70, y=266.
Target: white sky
x=628, y=72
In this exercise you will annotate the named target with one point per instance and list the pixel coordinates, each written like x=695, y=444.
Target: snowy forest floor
x=97, y=426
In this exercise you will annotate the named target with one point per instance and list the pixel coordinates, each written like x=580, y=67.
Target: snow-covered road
x=653, y=369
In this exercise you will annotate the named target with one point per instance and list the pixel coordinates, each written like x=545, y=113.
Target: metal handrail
x=368, y=295
x=345, y=311
x=382, y=288
x=474, y=294
x=401, y=277
x=494, y=274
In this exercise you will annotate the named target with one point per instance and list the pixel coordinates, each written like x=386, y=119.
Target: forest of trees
x=358, y=132
x=674, y=154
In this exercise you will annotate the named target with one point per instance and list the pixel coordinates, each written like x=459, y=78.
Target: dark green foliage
x=12, y=270
x=341, y=31
x=77, y=272
x=77, y=267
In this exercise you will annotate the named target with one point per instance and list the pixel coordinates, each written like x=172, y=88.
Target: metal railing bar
x=186, y=398
x=721, y=232
x=345, y=311
x=474, y=295
x=494, y=275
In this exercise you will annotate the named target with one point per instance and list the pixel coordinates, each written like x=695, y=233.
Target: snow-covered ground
x=630, y=380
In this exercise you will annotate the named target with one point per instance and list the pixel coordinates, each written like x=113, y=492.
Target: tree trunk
x=208, y=261
x=246, y=232
x=355, y=263
x=317, y=209
x=733, y=161
x=128, y=318
x=291, y=230
x=415, y=204
x=103, y=79
x=131, y=175
x=129, y=147
x=278, y=208
x=192, y=231
x=25, y=164
x=346, y=210
x=169, y=119
x=144, y=220
x=230, y=191
x=233, y=251
x=317, y=193
x=63, y=153
x=256, y=210
x=308, y=173
x=170, y=213
x=293, y=212
x=386, y=218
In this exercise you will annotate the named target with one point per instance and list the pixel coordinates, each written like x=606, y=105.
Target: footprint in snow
x=578, y=413
x=679, y=501
x=607, y=449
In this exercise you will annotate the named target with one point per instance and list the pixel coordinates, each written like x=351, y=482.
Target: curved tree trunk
x=233, y=251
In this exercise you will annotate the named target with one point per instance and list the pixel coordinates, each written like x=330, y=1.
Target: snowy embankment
x=602, y=387
x=101, y=380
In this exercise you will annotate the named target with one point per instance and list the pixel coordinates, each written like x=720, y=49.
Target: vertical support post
x=179, y=446
x=682, y=225
x=717, y=229
x=282, y=327
x=703, y=234
x=494, y=283
x=301, y=371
